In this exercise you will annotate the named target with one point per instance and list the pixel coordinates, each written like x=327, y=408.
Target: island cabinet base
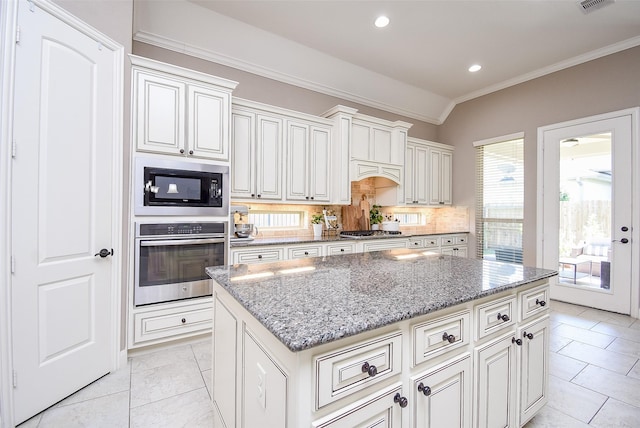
x=480, y=364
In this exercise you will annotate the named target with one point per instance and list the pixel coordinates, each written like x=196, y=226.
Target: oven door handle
x=182, y=242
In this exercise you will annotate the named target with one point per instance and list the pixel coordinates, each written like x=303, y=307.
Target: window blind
x=500, y=204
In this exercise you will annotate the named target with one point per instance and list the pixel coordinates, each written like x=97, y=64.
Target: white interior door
x=587, y=210
x=61, y=211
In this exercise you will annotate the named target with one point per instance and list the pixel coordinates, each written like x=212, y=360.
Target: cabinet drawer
x=460, y=240
x=351, y=369
x=171, y=322
x=431, y=242
x=335, y=249
x=415, y=243
x=387, y=244
x=377, y=410
x=302, y=252
x=448, y=240
x=534, y=302
x=495, y=316
x=258, y=256
x=441, y=335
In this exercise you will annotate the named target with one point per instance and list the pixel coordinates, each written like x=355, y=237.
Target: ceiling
x=428, y=46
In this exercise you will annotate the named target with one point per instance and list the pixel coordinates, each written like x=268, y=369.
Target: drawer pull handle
x=528, y=335
x=540, y=302
x=342, y=250
x=259, y=256
x=402, y=401
x=448, y=337
x=370, y=369
x=424, y=389
x=504, y=317
x=306, y=253
x=184, y=320
x=516, y=341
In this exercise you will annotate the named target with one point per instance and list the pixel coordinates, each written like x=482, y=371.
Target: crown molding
x=209, y=55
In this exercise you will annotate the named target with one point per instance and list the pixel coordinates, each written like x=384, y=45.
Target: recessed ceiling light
x=382, y=21
x=474, y=68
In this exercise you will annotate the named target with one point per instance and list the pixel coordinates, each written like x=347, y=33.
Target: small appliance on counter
x=242, y=229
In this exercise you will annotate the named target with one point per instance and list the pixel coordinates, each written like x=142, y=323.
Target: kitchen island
x=405, y=337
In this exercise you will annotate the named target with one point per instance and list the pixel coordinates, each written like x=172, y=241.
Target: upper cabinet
x=378, y=148
x=428, y=173
x=279, y=155
x=180, y=112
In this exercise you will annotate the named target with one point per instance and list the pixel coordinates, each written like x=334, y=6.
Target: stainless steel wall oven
x=170, y=259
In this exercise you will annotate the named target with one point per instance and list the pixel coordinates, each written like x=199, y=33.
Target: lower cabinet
x=429, y=372
x=442, y=395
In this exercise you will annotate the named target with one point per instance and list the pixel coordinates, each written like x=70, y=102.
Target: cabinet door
x=360, y=142
x=446, y=177
x=381, y=143
x=442, y=396
x=378, y=410
x=495, y=389
x=242, y=155
x=319, y=164
x=208, y=117
x=159, y=114
x=409, y=175
x=269, y=158
x=435, y=172
x=534, y=367
x=298, y=173
x=421, y=175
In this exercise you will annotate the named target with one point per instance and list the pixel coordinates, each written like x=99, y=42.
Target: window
x=500, y=193
x=408, y=219
x=277, y=220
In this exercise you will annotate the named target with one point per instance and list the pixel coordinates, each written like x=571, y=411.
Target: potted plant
x=375, y=217
x=316, y=223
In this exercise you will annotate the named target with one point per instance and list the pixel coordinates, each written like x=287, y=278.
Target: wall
x=603, y=85
x=268, y=91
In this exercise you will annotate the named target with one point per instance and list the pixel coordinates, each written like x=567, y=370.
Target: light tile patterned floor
x=594, y=382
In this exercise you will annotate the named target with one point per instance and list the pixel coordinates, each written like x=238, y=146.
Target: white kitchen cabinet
x=454, y=245
x=440, y=176
x=264, y=254
x=382, y=244
x=304, y=251
x=256, y=161
x=308, y=162
x=442, y=395
x=533, y=369
x=495, y=383
x=339, y=248
x=416, y=183
x=180, y=112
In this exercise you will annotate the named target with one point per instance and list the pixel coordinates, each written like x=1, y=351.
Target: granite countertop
x=323, y=239
x=317, y=300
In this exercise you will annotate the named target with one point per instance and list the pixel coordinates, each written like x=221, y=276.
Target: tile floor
x=594, y=382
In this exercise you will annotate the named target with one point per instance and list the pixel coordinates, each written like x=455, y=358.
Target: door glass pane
x=585, y=211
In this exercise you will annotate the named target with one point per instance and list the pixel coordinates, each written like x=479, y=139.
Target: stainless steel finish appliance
x=242, y=230
x=168, y=187
x=170, y=259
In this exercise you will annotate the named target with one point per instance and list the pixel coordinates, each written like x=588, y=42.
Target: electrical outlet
x=262, y=386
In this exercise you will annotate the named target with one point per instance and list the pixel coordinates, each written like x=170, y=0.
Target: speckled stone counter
x=313, y=301
x=325, y=238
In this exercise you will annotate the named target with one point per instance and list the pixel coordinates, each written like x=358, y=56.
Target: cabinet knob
x=342, y=250
x=190, y=152
x=184, y=320
x=306, y=197
x=402, y=401
x=540, y=302
x=312, y=198
x=181, y=151
x=528, y=335
x=259, y=256
x=259, y=195
x=504, y=317
x=448, y=337
x=253, y=195
x=516, y=341
x=424, y=389
x=306, y=253
x=369, y=369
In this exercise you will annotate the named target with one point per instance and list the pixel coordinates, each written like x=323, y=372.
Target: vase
x=375, y=226
x=317, y=230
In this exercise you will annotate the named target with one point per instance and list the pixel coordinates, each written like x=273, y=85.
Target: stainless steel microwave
x=168, y=187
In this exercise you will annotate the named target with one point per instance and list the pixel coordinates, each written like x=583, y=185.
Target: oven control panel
x=163, y=229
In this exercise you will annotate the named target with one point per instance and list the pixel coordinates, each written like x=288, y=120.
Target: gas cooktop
x=360, y=234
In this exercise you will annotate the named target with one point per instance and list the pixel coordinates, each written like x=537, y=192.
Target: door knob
x=104, y=253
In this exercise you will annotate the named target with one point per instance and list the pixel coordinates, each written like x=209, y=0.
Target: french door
x=585, y=215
